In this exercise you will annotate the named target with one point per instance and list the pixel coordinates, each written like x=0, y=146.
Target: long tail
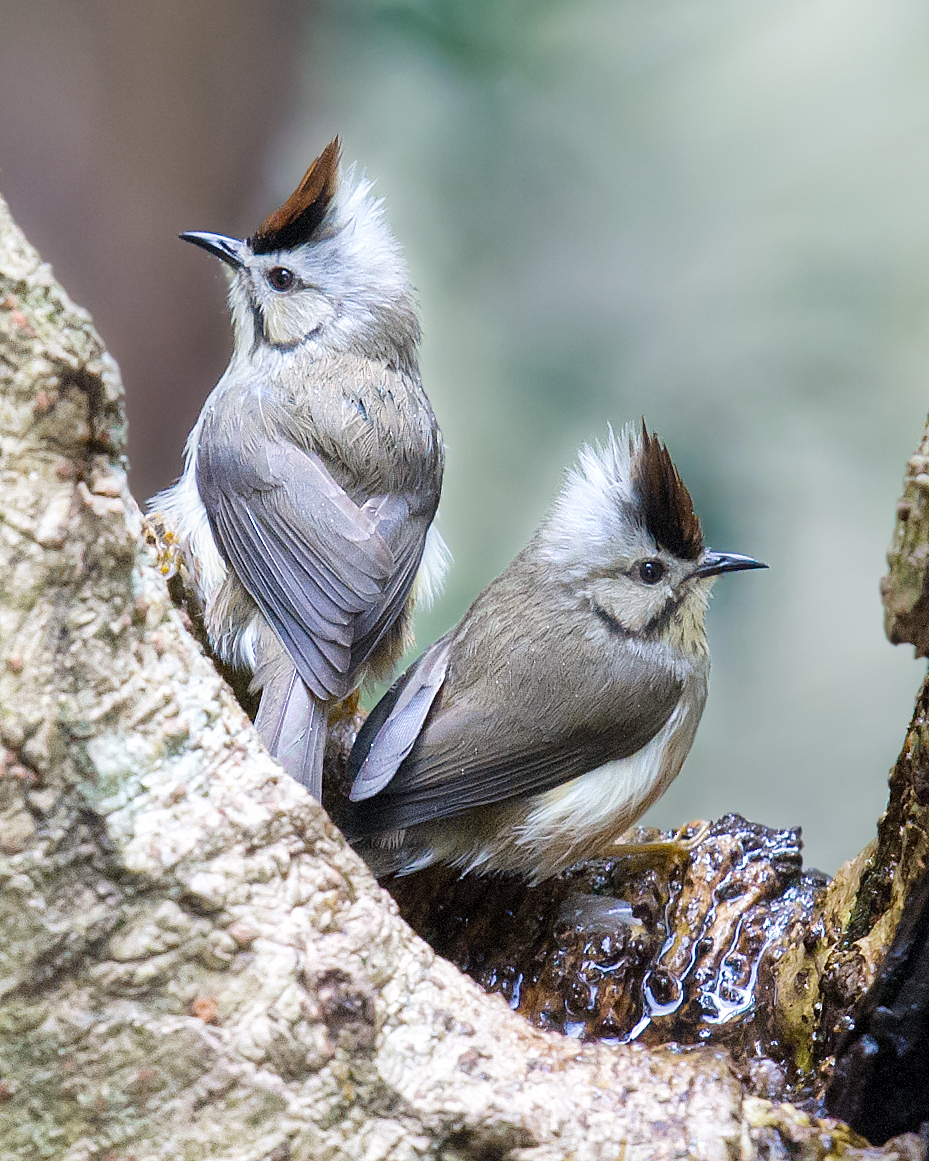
x=292, y=724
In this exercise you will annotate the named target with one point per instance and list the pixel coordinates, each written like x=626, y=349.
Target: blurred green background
x=708, y=212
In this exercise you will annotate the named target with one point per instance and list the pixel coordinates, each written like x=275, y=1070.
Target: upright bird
x=313, y=473
x=565, y=702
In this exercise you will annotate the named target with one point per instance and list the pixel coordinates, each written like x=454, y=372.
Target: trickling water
x=621, y=950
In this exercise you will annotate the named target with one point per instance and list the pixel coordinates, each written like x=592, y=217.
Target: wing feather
x=392, y=727
x=291, y=615
x=315, y=562
x=474, y=749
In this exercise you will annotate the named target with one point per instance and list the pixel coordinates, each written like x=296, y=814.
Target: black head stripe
x=665, y=504
x=302, y=214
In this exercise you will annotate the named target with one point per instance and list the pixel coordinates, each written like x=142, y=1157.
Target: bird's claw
x=163, y=539
x=676, y=849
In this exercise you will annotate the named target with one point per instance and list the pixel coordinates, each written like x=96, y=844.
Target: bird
x=564, y=703
x=312, y=476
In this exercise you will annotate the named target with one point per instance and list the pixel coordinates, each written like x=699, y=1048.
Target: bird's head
x=623, y=535
x=322, y=273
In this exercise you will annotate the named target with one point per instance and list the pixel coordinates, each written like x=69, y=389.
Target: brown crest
x=668, y=509
x=300, y=216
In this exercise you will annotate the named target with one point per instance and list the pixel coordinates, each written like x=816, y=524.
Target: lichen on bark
x=193, y=963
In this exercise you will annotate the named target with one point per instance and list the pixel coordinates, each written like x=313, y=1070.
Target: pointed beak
x=714, y=563
x=229, y=250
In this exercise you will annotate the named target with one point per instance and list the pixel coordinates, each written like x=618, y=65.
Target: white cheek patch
x=291, y=318
x=633, y=605
x=281, y=322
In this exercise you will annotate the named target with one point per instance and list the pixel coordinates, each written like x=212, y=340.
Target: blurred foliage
x=483, y=39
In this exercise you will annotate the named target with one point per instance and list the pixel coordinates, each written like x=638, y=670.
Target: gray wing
x=391, y=729
x=405, y=533
x=473, y=751
x=320, y=568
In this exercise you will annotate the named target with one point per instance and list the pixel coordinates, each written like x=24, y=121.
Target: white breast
x=581, y=818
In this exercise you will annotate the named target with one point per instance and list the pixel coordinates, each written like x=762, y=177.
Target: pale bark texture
x=193, y=963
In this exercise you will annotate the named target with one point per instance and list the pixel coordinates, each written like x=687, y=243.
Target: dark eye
x=651, y=572
x=280, y=278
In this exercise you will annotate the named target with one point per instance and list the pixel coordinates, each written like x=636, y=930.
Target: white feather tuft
x=433, y=569
x=182, y=503
x=591, y=522
x=356, y=260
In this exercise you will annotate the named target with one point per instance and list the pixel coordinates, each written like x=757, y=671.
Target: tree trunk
x=194, y=964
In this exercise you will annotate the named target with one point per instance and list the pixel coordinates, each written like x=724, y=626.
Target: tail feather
x=292, y=724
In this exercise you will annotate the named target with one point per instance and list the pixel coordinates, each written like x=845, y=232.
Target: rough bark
x=193, y=962
x=905, y=589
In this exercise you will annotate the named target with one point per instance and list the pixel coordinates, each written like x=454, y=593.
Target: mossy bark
x=193, y=964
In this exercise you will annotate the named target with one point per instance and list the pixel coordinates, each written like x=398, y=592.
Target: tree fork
x=193, y=963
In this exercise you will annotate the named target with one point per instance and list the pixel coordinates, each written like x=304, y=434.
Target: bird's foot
x=162, y=537
x=676, y=849
x=346, y=709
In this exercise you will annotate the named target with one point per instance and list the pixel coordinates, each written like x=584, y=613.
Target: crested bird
x=565, y=701
x=312, y=475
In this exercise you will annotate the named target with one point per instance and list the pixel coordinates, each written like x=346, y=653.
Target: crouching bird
x=313, y=472
x=565, y=702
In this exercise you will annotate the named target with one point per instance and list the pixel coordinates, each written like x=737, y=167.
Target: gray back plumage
x=500, y=725
x=329, y=571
